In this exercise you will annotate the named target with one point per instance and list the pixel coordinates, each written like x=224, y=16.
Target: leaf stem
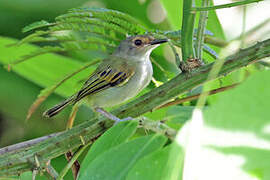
x=51, y=171
x=239, y=3
x=201, y=29
x=187, y=30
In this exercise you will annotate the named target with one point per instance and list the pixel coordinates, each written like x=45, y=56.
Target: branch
x=14, y=161
x=187, y=30
x=239, y=3
x=201, y=30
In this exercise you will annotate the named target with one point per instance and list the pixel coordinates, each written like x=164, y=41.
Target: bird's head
x=138, y=47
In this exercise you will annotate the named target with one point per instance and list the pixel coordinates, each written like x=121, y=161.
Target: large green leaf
x=159, y=165
x=44, y=70
x=118, y=161
x=235, y=137
x=116, y=135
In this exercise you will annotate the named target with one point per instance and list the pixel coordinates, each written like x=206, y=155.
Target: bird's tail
x=57, y=108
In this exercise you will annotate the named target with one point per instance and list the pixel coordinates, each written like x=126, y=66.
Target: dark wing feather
x=106, y=76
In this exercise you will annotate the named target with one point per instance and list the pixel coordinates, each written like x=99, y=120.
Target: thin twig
x=254, y=29
x=51, y=171
x=50, y=90
x=215, y=41
x=158, y=127
x=201, y=29
x=196, y=96
x=239, y=3
x=243, y=35
x=76, y=165
x=71, y=162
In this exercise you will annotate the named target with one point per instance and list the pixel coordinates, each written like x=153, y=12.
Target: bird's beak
x=158, y=41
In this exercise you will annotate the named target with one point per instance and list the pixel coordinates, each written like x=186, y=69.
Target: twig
x=187, y=30
x=201, y=29
x=243, y=35
x=51, y=171
x=176, y=36
x=254, y=29
x=158, y=127
x=72, y=161
x=215, y=41
x=76, y=165
x=239, y=3
x=50, y=90
x=196, y=96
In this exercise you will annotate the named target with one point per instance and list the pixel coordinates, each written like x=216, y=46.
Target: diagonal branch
x=229, y=5
x=24, y=158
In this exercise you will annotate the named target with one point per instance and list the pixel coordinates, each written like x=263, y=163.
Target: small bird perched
x=118, y=78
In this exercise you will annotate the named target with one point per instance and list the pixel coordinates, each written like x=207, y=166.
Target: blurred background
x=17, y=94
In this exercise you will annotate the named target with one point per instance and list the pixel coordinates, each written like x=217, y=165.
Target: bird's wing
x=107, y=75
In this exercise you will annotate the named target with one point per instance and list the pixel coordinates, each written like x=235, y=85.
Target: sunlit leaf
x=117, y=162
x=234, y=138
x=159, y=165
x=120, y=133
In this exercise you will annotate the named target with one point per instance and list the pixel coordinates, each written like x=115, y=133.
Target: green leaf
x=159, y=165
x=234, y=138
x=118, y=161
x=179, y=114
x=44, y=70
x=26, y=175
x=116, y=135
x=246, y=103
x=36, y=25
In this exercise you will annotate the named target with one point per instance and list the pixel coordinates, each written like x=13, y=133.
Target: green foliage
x=159, y=165
x=54, y=67
x=234, y=139
x=35, y=25
x=26, y=176
x=117, y=157
x=97, y=25
x=119, y=134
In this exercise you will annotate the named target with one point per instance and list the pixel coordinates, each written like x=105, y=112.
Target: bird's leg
x=111, y=116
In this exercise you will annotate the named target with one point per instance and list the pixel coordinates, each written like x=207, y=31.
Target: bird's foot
x=111, y=116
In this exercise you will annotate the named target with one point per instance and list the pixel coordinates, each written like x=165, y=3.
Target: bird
x=118, y=78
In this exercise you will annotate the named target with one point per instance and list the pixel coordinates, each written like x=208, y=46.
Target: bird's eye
x=138, y=42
